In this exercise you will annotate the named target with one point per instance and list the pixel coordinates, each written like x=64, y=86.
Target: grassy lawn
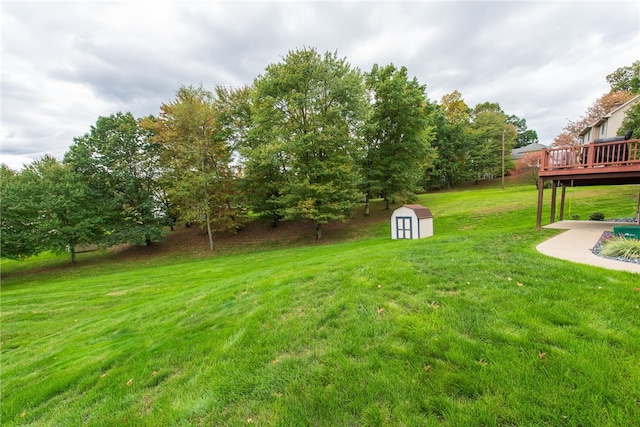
x=469, y=327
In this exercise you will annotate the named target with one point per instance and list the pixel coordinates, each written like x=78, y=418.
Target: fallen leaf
x=380, y=310
x=379, y=286
x=636, y=289
x=509, y=279
x=427, y=367
x=154, y=373
x=520, y=284
x=130, y=382
x=103, y=375
x=23, y=414
x=542, y=355
x=483, y=362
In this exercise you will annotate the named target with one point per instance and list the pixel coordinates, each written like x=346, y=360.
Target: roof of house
x=422, y=212
x=516, y=153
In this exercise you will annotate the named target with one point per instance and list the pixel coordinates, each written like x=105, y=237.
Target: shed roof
x=421, y=211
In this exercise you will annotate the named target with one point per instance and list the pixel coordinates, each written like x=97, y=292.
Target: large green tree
x=493, y=139
x=451, y=142
x=397, y=134
x=66, y=213
x=197, y=156
x=120, y=165
x=524, y=135
x=308, y=112
x=19, y=228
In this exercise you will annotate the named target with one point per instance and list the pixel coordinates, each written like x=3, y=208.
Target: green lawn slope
x=469, y=327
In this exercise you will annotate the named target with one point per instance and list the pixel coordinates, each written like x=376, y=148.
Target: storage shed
x=411, y=222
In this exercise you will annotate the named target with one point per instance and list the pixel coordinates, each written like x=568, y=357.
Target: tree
x=451, y=142
x=524, y=136
x=631, y=121
x=120, y=165
x=308, y=111
x=397, y=134
x=196, y=154
x=488, y=130
x=66, y=213
x=18, y=217
x=626, y=79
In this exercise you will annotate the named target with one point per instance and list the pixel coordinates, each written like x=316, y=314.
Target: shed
x=411, y=222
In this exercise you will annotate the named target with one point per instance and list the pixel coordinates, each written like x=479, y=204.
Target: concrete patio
x=576, y=243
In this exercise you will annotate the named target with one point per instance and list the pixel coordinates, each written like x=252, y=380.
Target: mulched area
x=598, y=248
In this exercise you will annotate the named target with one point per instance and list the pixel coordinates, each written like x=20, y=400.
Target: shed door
x=403, y=227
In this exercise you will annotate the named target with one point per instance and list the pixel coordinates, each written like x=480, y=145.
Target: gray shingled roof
x=516, y=153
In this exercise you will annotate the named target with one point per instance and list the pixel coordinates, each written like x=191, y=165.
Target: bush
x=596, y=216
x=621, y=247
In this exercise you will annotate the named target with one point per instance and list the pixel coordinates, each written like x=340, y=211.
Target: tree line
x=310, y=139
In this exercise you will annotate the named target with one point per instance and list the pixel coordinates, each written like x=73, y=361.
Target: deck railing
x=592, y=155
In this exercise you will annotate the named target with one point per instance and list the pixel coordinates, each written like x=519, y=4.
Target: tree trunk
x=366, y=204
x=73, y=253
x=386, y=204
x=318, y=231
x=209, y=234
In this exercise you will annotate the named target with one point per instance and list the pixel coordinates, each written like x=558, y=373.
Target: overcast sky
x=64, y=64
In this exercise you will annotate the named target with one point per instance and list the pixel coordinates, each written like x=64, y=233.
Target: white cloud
x=64, y=64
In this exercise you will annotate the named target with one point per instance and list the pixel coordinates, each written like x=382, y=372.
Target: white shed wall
x=420, y=228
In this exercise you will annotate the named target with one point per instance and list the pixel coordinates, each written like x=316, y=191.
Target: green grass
x=469, y=327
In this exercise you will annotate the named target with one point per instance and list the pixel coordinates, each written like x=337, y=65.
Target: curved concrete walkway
x=576, y=243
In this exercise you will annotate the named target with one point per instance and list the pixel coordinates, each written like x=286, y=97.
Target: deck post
x=540, y=198
x=564, y=190
x=554, y=188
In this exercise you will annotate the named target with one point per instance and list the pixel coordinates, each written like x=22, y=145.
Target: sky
x=64, y=64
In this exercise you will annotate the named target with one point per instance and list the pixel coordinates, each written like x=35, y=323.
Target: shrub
x=621, y=247
x=596, y=216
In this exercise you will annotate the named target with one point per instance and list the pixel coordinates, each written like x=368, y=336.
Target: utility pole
x=503, y=131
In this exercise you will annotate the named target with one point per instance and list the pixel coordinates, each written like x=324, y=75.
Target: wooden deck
x=609, y=163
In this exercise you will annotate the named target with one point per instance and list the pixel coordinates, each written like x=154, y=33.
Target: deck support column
x=564, y=190
x=554, y=188
x=540, y=199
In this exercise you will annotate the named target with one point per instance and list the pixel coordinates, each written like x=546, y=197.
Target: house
x=607, y=126
x=528, y=156
x=411, y=222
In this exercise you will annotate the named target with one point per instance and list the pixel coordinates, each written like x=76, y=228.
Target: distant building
x=527, y=157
